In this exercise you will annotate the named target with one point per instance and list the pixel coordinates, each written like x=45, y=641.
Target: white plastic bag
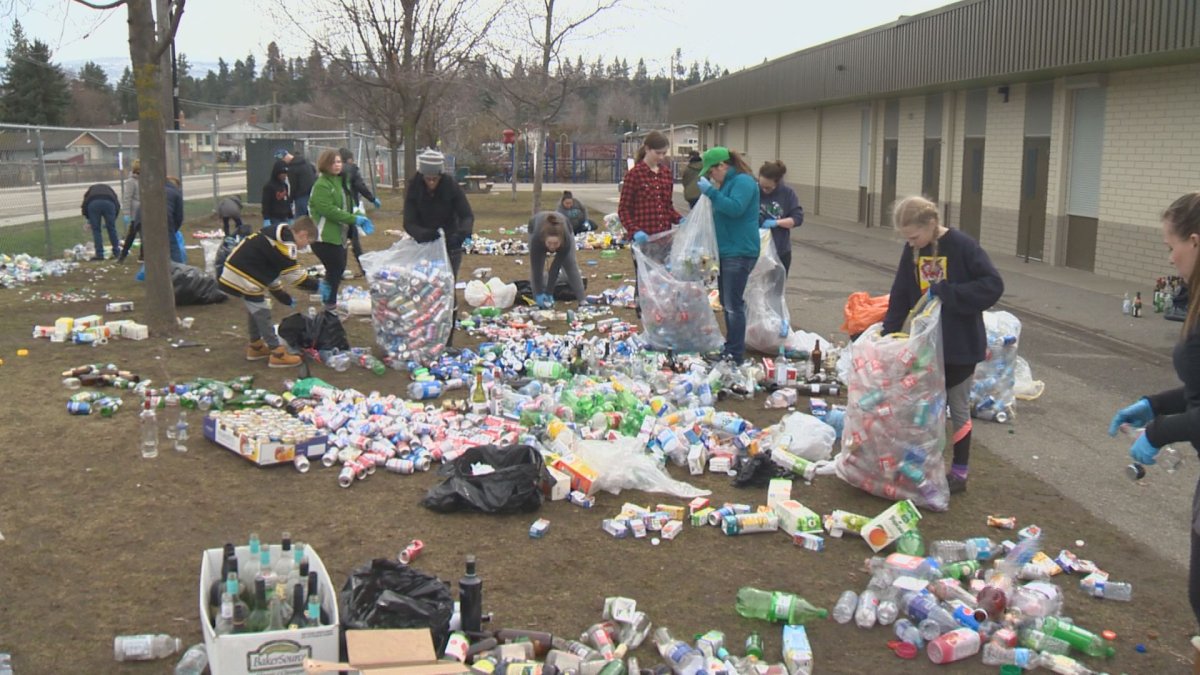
x=804, y=435
x=694, y=255
x=494, y=293
x=623, y=464
x=992, y=394
x=675, y=313
x=1024, y=386
x=895, y=425
x=412, y=295
x=768, y=323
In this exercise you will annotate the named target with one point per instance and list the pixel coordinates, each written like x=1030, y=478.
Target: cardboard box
x=558, y=484
x=262, y=453
x=583, y=477
x=280, y=652
x=778, y=490
x=407, y=651
x=795, y=517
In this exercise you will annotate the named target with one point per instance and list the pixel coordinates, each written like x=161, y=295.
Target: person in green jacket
x=690, y=178
x=331, y=206
x=729, y=183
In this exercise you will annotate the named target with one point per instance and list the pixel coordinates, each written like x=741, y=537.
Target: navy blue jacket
x=1177, y=411
x=782, y=202
x=970, y=285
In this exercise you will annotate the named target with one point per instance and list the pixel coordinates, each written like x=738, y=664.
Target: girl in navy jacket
x=952, y=266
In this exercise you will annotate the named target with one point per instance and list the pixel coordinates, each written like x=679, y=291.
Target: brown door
x=889, y=180
x=1031, y=220
x=862, y=205
x=971, y=209
x=931, y=169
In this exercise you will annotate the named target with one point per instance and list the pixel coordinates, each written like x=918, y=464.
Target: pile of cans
x=412, y=310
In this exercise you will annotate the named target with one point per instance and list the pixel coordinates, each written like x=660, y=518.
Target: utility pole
x=671, y=75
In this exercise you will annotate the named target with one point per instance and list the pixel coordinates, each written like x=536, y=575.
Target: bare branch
x=176, y=15
x=95, y=5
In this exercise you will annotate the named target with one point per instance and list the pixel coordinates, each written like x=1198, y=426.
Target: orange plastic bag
x=862, y=310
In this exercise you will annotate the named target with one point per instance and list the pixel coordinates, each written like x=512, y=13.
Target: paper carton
x=279, y=652
x=795, y=517
x=778, y=490
x=583, y=477
x=887, y=527
x=557, y=485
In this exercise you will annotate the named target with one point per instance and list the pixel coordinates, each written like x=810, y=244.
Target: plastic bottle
x=781, y=369
x=753, y=603
x=888, y=609
x=868, y=606
x=149, y=423
x=181, y=431
x=1063, y=665
x=547, y=370
x=1112, y=590
x=999, y=655
x=949, y=550
x=194, y=661
x=145, y=647
x=847, y=603
x=922, y=606
x=170, y=412
x=372, y=364
x=1079, y=638
x=956, y=645
x=1038, y=641
x=682, y=657
x=905, y=630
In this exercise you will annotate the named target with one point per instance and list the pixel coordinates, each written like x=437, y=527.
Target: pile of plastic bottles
x=413, y=307
x=482, y=245
x=992, y=392
x=354, y=300
x=65, y=297
x=22, y=269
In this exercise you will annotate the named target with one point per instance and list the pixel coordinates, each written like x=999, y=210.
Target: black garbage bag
x=513, y=487
x=324, y=331
x=757, y=471
x=194, y=287
x=562, y=290
x=386, y=593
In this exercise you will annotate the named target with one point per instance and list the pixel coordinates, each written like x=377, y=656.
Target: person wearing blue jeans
x=727, y=180
x=100, y=207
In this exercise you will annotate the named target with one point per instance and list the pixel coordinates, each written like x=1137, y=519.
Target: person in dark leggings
x=358, y=188
x=331, y=206
x=1173, y=415
x=950, y=265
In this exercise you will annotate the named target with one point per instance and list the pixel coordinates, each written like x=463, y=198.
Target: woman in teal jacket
x=330, y=206
x=729, y=183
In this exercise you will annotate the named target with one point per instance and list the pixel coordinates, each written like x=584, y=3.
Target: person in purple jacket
x=952, y=266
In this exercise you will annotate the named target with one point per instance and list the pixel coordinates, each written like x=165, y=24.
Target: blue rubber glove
x=363, y=223
x=378, y=204
x=1142, y=452
x=835, y=418
x=326, y=292
x=266, y=223
x=545, y=301
x=768, y=223
x=704, y=184
x=640, y=237
x=466, y=244
x=1138, y=414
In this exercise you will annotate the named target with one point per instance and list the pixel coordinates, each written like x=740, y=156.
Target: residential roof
x=19, y=141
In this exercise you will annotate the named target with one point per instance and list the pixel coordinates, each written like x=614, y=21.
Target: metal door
x=1031, y=220
x=971, y=209
x=888, y=195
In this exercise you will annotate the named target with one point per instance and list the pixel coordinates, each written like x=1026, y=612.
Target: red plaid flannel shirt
x=646, y=200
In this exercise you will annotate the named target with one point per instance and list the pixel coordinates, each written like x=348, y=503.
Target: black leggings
x=1194, y=575
x=333, y=257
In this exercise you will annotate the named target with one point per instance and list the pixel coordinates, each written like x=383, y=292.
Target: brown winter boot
x=257, y=350
x=280, y=358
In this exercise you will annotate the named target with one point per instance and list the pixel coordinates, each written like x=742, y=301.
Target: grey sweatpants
x=259, y=324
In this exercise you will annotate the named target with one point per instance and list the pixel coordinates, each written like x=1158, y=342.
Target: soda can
x=457, y=645
x=411, y=551
x=300, y=461
x=79, y=407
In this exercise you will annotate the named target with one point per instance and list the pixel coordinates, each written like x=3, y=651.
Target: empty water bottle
x=145, y=647
x=843, y=611
x=905, y=630
x=999, y=655
x=868, y=604
x=193, y=662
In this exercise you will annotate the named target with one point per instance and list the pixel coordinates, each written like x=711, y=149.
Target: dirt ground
x=99, y=542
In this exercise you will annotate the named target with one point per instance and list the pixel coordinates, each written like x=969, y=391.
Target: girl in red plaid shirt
x=645, y=207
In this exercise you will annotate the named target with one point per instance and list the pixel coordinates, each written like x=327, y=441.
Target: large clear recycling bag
x=895, y=426
x=412, y=299
x=694, y=255
x=675, y=313
x=993, y=391
x=768, y=323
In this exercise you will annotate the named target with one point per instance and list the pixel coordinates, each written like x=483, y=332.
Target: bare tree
x=397, y=57
x=537, y=39
x=146, y=49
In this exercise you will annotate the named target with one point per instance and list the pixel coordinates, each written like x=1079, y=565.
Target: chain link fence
x=45, y=171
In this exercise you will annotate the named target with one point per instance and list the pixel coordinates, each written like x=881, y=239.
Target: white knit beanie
x=431, y=162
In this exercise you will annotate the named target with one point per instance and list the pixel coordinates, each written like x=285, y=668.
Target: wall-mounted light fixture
x=1003, y=91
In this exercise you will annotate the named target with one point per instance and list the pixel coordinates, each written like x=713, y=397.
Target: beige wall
x=762, y=132
x=735, y=134
x=798, y=150
x=911, y=150
x=1002, y=171
x=954, y=119
x=840, y=132
x=1056, y=178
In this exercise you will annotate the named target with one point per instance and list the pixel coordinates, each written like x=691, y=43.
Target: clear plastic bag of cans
x=895, y=425
x=767, y=320
x=694, y=255
x=412, y=299
x=993, y=390
x=675, y=312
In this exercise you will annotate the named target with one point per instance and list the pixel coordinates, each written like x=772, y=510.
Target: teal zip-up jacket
x=735, y=214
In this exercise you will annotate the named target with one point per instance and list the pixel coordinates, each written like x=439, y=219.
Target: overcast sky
x=729, y=33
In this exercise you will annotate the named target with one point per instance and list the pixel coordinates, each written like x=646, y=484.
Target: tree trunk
x=538, y=150
x=410, y=148
x=167, y=104
x=393, y=139
x=160, y=296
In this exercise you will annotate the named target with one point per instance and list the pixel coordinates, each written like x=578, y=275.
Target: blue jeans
x=301, y=203
x=735, y=272
x=101, y=212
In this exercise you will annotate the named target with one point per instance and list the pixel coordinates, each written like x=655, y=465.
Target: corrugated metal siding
x=970, y=40
x=761, y=147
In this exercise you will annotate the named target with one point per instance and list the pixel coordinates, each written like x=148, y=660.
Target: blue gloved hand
x=545, y=301
x=363, y=223
x=378, y=204
x=1142, y=452
x=640, y=237
x=126, y=220
x=936, y=289
x=835, y=418
x=1138, y=414
x=326, y=292
x=768, y=223
x=466, y=244
x=266, y=223
x=704, y=184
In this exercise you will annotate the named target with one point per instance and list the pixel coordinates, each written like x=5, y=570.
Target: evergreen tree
x=597, y=70
x=92, y=76
x=693, y=74
x=126, y=96
x=34, y=90
x=640, y=74
x=92, y=102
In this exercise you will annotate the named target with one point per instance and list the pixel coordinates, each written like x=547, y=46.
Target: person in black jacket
x=1173, y=415
x=435, y=205
x=174, y=194
x=276, y=196
x=358, y=188
x=262, y=263
x=100, y=207
x=951, y=266
x=301, y=176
